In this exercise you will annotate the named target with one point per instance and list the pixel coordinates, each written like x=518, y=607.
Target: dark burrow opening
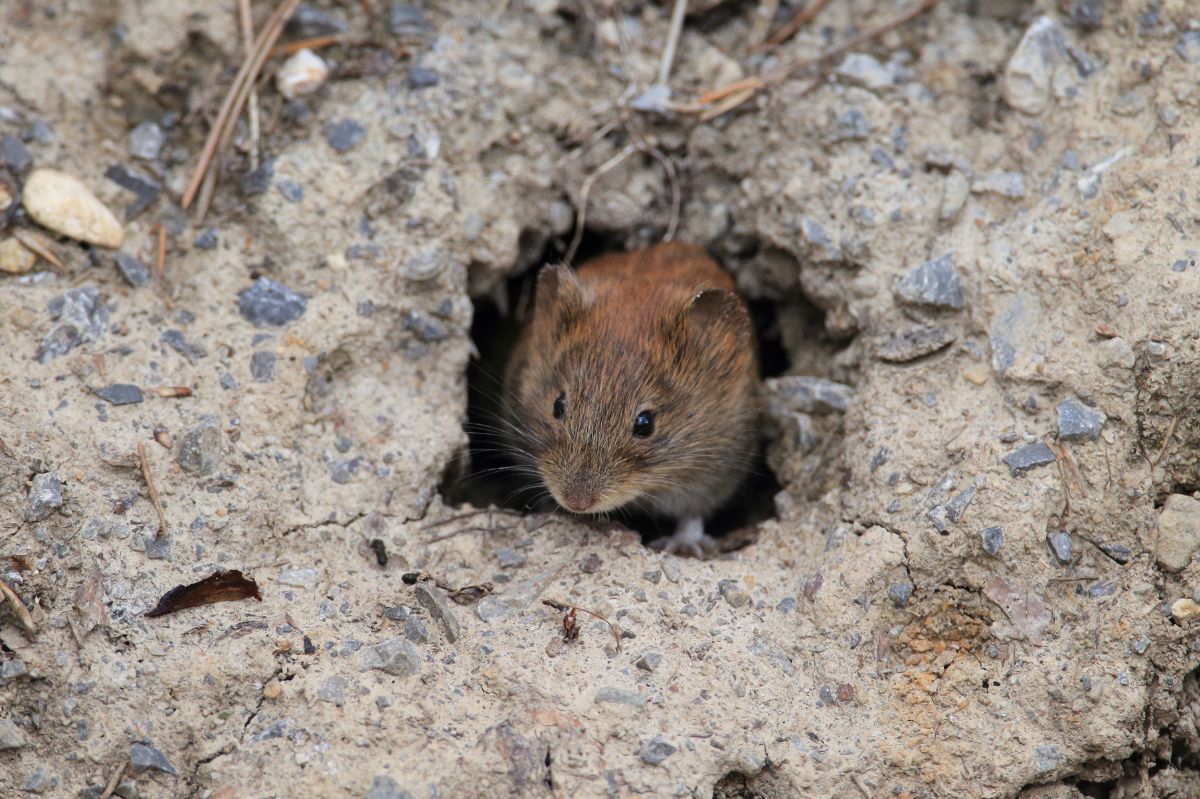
x=484, y=475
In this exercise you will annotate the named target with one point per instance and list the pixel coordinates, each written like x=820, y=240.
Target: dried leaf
x=18, y=609
x=1028, y=615
x=220, y=586
x=89, y=601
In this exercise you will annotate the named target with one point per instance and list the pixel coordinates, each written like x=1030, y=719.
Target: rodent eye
x=560, y=406
x=643, y=425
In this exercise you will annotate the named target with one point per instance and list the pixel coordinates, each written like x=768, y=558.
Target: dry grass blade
x=585, y=190
x=114, y=780
x=672, y=43
x=793, y=25
x=149, y=478
x=37, y=248
x=247, y=24
x=18, y=608
x=236, y=98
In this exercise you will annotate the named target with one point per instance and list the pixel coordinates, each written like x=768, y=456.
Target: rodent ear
x=719, y=312
x=559, y=293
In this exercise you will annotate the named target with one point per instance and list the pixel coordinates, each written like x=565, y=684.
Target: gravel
x=1078, y=422
x=11, y=736
x=804, y=394
x=406, y=20
x=262, y=366
x=861, y=69
x=146, y=141
x=45, y=496
x=82, y=317
x=434, y=600
x=415, y=630
x=384, y=787
x=1028, y=457
x=900, y=593
x=14, y=155
x=268, y=302
x=422, y=78
x=617, y=696
x=490, y=609
x=933, y=284
x=655, y=751
x=120, y=394
x=649, y=661
x=132, y=269
x=397, y=657
x=332, y=690
x=198, y=449
x=732, y=594
x=145, y=188
x=143, y=757
x=914, y=342
x=345, y=135
x=1060, y=545
x=178, y=342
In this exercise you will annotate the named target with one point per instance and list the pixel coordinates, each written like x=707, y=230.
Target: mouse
x=634, y=384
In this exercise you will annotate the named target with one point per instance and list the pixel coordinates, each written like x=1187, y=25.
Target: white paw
x=689, y=540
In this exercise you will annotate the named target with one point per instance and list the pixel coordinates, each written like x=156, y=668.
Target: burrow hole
x=481, y=477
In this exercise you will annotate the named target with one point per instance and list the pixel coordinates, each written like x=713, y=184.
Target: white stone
x=1030, y=72
x=14, y=258
x=1178, y=532
x=301, y=74
x=62, y=203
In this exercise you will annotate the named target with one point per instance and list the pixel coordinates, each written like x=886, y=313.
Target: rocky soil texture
x=979, y=236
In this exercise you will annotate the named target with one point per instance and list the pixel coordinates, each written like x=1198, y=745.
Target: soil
x=965, y=589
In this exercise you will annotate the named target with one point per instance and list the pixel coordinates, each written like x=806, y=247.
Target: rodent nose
x=579, y=499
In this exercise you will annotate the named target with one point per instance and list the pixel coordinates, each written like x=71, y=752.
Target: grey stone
x=864, y=70
x=1060, y=545
x=176, y=341
x=1047, y=757
x=820, y=247
x=132, y=269
x=206, y=239
x=1028, y=457
x=305, y=577
x=262, y=366
x=1178, y=532
x=39, y=781
x=956, y=507
x=1004, y=184
x=954, y=196
x=309, y=22
x=145, y=189
x=1118, y=552
x=616, y=696
x=425, y=264
x=1100, y=590
x=1140, y=646
x=914, y=342
x=1030, y=71
x=786, y=605
x=268, y=302
x=655, y=751
x=421, y=77
x=11, y=736
x=804, y=394
x=257, y=181
x=45, y=497
x=146, y=141
x=120, y=394
x=82, y=317
x=732, y=594
x=147, y=758
x=1078, y=422
x=1087, y=15
x=937, y=516
x=344, y=135
x=14, y=155
x=384, y=787
x=851, y=126
x=406, y=20
x=396, y=612
x=900, y=593
x=397, y=657
x=649, y=661
x=292, y=191
x=510, y=558
x=433, y=600
x=1188, y=47
x=993, y=539
x=157, y=548
x=332, y=690
x=490, y=609
x=933, y=283
x=12, y=669
x=424, y=329
x=415, y=631
x=198, y=449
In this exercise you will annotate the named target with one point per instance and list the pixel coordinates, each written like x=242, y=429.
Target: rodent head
x=620, y=399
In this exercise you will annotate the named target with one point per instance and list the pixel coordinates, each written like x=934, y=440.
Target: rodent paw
x=689, y=541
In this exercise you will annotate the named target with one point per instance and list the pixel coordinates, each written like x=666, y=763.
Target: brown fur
x=659, y=329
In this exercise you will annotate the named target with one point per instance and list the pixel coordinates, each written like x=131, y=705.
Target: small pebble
x=433, y=600
x=732, y=594
x=1047, y=757
x=1060, y=545
x=262, y=366
x=332, y=690
x=864, y=70
x=616, y=696
x=15, y=259
x=345, y=135
x=145, y=189
x=1028, y=457
x=132, y=269
x=11, y=736
x=900, y=593
x=649, y=661
x=45, y=496
x=14, y=155
x=384, y=787
x=914, y=342
x=146, y=758
x=1121, y=554
x=257, y=181
x=397, y=657
x=308, y=21
x=1185, y=609
x=1077, y=422
x=271, y=303
x=292, y=191
x=934, y=284
x=805, y=394
x=490, y=609
x=414, y=630
x=198, y=449
x=178, y=342
x=1140, y=645
x=120, y=394
x=298, y=578
x=591, y=564
x=1004, y=184
x=206, y=239
x=62, y=203
x=655, y=751
x=993, y=539
x=509, y=558
x=146, y=141
x=303, y=73
x=1188, y=47
x=421, y=78
x=406, y=20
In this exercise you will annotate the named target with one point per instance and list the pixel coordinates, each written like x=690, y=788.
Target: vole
x=635, y=385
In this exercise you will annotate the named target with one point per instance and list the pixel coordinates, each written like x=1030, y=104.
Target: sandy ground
x=977, y=583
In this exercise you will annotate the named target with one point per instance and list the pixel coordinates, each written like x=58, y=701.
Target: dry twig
x=235, y=99
x=145, y=463
x=793, y=25
x=1162, y=453
x=586, y=189
x=18, y=608
x=672, y=43
x=37, y=248
x=247, y=23
x=114, y=780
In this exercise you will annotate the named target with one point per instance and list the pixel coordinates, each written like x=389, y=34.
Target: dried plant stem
x=149, y=478
x=247, y=23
